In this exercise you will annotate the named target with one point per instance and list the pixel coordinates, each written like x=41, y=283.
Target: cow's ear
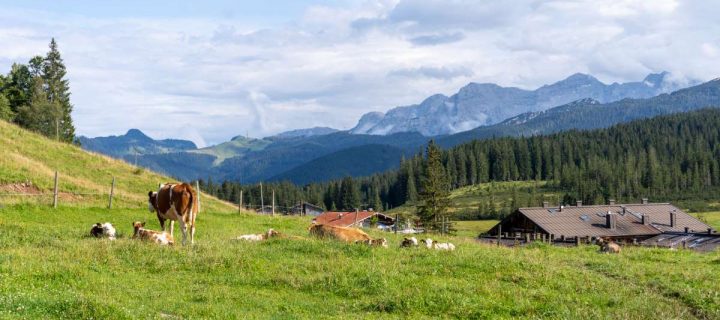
x=143, y=223
x=150, y=194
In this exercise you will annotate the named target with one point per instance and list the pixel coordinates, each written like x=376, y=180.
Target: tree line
x=675, y=157
x=36, y=96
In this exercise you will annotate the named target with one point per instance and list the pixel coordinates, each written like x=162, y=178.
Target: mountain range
x=481, y=104
x=311, y=155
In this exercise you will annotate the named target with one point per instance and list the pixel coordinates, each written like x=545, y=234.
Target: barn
x=360, y=219
x=622, y=222
x=306, y=209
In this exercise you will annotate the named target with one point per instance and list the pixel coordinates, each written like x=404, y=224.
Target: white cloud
x=210, y=79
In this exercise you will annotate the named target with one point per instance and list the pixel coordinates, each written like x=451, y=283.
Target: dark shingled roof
x=590, y=220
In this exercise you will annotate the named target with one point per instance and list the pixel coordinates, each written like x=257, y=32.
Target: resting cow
x=430, y=244
x=382, y=242
x=409, y=242
x=349, y=235
x=159, y=237
x=608, y=246
x=103, y=230
x=260, y=236
x=175, y=202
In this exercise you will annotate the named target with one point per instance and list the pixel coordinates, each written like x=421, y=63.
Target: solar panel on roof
x=584, y=218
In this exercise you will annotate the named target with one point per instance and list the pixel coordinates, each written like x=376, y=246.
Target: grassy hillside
x=27, y=156
x=50, y=268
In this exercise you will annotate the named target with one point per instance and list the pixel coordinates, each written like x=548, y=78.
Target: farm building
x=306, y=209
x=623, y=222
x=361, y=219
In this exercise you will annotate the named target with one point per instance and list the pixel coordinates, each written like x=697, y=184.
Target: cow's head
x=137, y=225
x=272, y=233
x=152, y=201
x=428, y=242
x=97, y=230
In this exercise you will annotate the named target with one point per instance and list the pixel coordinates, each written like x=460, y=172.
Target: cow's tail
x=193, y=203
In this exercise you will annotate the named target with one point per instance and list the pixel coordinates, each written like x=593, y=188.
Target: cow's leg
x=172, y=228
x=162, y=223
x=183, y=228
x=192, y=228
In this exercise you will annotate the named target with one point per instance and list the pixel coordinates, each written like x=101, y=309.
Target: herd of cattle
x=178, y=202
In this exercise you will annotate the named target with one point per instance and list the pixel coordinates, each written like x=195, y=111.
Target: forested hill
x=589, y=114
x=665, y=158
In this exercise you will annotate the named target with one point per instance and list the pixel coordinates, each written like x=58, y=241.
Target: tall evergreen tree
x=434, y=191
x=58, y=90
x=349, y=194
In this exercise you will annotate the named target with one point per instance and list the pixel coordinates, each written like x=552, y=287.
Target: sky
x=210, y=70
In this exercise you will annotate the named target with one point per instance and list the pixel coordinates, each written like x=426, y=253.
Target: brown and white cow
x=608, y=246
x=350, y=235
x=175, y=202
x=159, y=237
x=260, y=236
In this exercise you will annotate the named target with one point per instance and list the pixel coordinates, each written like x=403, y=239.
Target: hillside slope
x=356, y=161
x=29, y=157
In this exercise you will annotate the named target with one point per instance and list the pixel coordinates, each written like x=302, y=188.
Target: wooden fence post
x=499, y=235
x=240, y=205
x=55, y=191
x=272, y=213
x=112, y=192
x=262, y=201
x=197, y=187
x=396, y=223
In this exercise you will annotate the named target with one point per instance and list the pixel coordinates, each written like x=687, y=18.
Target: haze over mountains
x=479, y=104
x=319, y=154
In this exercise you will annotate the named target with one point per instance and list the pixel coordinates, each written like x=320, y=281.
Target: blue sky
x=210, y=70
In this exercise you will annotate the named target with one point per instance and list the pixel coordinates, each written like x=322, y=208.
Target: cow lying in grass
x=382, y=242
x=159, y=237
x=608, y=246
x=103, y=230
x=430, y=244
x=409, y=242
x=260, y=236
x=350, y=235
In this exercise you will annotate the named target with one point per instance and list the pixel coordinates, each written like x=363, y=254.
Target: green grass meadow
x=51, y=268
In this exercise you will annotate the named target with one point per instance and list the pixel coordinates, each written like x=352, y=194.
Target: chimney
x=611, y=220
x=673, y=219
x=579, y=203
x=687, y=230
x=624, y=210
x=646, y=219
x=561, y=207
x=644, y=200
x=546, y=204
x=611, y=202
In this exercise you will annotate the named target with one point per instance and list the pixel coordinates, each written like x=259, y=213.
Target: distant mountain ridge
x=309, y=132
x=480, y=104
x=132, y=143
x=303, y=158
x=586, y=114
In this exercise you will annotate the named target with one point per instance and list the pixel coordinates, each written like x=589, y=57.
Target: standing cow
x=175, y=202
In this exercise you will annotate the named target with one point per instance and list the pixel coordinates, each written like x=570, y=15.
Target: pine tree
x=58, y=90
x=41, y=115
x=411, y=190
x=434, y=194
x=349, y=194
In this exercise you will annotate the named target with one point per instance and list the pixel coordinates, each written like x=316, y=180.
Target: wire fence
x=27, y=193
